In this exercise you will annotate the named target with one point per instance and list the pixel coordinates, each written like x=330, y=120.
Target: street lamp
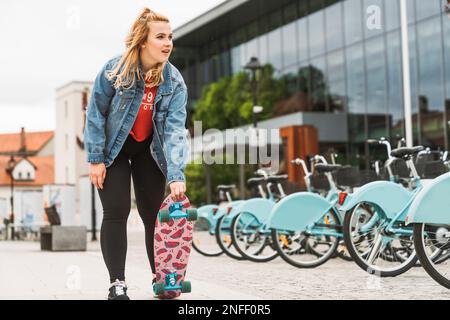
x=253, y=65
x=9, y=169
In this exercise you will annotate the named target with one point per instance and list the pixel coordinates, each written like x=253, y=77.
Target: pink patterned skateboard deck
x=172, y=247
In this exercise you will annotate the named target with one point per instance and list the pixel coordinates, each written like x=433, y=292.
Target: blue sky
x=47, y=43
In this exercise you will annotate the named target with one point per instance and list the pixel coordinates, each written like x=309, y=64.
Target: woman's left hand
x=177, y=190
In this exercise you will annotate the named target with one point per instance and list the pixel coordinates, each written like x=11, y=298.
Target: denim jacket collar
x=166, y=87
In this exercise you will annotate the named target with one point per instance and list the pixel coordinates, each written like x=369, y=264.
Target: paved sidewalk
x=26, y=272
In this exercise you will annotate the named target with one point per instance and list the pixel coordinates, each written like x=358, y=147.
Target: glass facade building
x=339, y=57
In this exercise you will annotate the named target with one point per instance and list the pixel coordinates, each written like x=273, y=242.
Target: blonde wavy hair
x=126, y=71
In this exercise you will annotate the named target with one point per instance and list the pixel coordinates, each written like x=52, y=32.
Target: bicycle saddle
x=224, y=187
x=322, y=168
x=255, y=181
x=277, y=178
x=404, y=151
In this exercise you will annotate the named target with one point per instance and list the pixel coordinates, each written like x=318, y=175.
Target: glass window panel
x=374, y=18
x=243, y=58
x=252, y=49
x=355, y=79
x=275, y=50
x=376, y=88
x=236, y=59
x=302, y=30
x=428, y=8
x=304, y=87
x=294, y=102
x=336, y=82
x=414, y=85
x=353, y=21
x=446, y=31
x=289, y=44
x=431, y=102
x=319, y=92
x=392, y=14
x=395, y=85
x=316, y=33
x=263, y=49
x=333, y=19
x=225, y=64
x=375, y=75
x=411, y=11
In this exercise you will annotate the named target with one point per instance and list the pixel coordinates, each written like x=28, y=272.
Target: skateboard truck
x=176, y=212
x=170, y=284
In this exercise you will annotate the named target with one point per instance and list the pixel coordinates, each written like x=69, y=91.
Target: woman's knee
x=116, y=211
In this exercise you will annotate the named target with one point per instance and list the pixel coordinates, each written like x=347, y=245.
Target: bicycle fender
x=297, y=211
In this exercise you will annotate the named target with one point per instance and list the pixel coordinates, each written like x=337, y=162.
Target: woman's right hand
x=97, y=174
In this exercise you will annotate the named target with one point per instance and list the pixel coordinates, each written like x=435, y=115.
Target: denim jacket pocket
x=123, y=99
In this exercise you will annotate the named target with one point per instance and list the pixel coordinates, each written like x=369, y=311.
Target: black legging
x=149, y=187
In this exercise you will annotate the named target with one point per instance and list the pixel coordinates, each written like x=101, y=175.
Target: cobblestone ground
x=28, y=273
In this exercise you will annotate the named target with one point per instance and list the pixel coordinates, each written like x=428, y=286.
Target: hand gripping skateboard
x=172, y=247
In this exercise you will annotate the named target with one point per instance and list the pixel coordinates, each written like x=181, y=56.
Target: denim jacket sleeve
x=175, y=135
x=97, y=112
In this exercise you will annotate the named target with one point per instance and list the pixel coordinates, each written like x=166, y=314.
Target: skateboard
x=172, y=247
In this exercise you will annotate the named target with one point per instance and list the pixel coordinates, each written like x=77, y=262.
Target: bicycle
x=224, y=220
x=249, y=232
x=204, y=239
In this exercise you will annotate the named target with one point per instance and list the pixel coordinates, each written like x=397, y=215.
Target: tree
x=228, y=102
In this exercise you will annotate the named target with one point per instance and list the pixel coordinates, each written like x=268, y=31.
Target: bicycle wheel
x=342, y=252
x=302, y=250
x=373, y=250
x=250, y=240
x=204, y=238
x=430, y=240
x=223, y=238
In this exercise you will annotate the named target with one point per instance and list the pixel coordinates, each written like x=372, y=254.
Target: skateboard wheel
x=164, y=216
x=158, y=289
x=186, y=287
x=192, y=214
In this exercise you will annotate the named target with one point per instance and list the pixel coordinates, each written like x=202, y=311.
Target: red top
x=143, y=126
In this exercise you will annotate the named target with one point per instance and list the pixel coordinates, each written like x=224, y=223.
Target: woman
x=135, y=126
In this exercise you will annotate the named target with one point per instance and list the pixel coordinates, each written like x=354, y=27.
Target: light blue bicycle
x=382, y=244
x=204, y=234
x=249, y=232
x=429, y=214
x=307, y=227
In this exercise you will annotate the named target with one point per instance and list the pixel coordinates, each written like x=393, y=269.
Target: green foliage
x=228, y=102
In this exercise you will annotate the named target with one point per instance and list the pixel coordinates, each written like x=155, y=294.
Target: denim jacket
x=112, y=112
